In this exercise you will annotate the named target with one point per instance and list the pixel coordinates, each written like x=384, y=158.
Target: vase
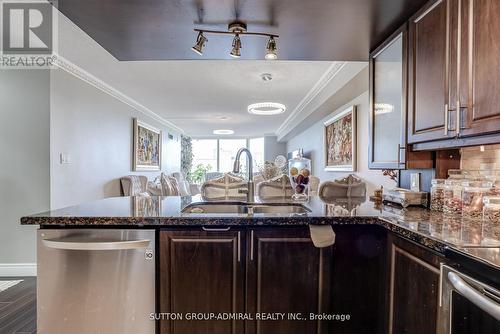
x=299, y=171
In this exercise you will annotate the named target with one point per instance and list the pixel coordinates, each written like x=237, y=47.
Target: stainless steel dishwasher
x=95, y=281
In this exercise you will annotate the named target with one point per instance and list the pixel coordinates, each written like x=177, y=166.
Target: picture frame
x=340, y=145
x=147, y=147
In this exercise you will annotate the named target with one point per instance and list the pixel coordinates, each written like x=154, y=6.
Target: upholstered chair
x=226, y=187
x=277, y=187
x=350, y=186
x=133, y=185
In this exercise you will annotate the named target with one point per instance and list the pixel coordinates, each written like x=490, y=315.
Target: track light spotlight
x=200, y=43
x=235, y=52
x=271, y=49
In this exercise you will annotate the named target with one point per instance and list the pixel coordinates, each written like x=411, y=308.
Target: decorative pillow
x=174, y=186
x=166, y=185
x=184, y=188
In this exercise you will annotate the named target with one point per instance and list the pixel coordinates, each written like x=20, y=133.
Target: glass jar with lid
x=437, y=195
x=491, y=209
x=472, y=197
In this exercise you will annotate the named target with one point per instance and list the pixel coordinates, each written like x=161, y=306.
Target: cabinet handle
x=251, y=245
x=239, y=246
x=459, y=121
x=399, y=153
x=222, y=229
x=474, y=296
x=446, y=120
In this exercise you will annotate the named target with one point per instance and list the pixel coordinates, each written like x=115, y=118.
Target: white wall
x=24, y=157
x=95, y=129
x=311, y=140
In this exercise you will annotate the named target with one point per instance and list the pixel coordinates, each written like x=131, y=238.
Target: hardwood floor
x=17, y=305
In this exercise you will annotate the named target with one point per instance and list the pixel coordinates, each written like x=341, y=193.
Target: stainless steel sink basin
x=216, y=207
x=245, y=208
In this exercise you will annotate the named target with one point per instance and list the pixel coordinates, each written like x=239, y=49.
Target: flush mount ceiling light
x=266, y=108
x=223, y=132
x=200, y=43
x=236, y=28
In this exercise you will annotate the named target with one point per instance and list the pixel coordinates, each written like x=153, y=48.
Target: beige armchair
x=350, y=186
x=226, y=187
x=133, y=185
x=278, y=187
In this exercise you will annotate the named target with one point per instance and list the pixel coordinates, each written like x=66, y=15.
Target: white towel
x=322, y=235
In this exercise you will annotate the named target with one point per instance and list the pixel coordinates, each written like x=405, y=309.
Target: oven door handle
x=88, y=245
x=475, y=297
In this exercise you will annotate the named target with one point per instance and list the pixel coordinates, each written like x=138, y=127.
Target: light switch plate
x=415, y=182
x=65, y=158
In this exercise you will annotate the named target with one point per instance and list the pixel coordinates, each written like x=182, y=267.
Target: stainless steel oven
x=467, y=305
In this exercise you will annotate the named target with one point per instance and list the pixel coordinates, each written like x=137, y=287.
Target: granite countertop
x=432, y=229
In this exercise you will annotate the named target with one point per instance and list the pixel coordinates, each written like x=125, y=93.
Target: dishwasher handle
x=90, y=245
x=475, y=297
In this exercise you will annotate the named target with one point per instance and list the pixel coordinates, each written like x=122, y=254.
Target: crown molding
x=89, y=78
x=323, y=81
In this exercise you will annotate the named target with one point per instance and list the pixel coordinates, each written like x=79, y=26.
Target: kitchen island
x=383, y=270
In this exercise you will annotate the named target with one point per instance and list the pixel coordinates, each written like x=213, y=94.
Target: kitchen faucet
x=236, y=169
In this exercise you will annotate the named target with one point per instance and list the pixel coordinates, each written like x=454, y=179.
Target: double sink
x=245, y=208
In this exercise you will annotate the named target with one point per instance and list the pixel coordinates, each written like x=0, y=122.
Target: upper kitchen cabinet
x=429, y=60
x=479, y=80
x=388, y=77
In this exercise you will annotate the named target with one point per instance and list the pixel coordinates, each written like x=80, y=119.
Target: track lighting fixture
x=271, y=49
x=200, y=43
x=235, y=52
x=236, y=28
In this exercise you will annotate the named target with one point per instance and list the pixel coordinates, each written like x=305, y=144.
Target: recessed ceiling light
x=266, y=108
x=223, y=132
x=266, y=76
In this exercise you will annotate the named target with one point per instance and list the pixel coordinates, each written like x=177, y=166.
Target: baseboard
x=17, y=269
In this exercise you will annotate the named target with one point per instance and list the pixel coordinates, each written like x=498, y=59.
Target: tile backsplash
x=481, y=157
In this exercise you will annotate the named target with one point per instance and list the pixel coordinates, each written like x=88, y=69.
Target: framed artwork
x=147, y=147
x=340, y=141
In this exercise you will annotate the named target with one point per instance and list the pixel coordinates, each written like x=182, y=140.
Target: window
x=227, y=153
x=220, y=154
x=205, y=153
x=256, y=147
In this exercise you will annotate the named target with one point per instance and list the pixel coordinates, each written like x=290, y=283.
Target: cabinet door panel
x=428, y=73
x=388, y=77
x=286, y=273
x=482, y=114
x=414, y=289
x=201, y=272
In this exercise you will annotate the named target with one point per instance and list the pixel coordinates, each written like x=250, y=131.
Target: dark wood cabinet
x=479, y=82
x=429, y=60
x=202, y=271
x=278, y=270
x=267, y=270
x=413, y=287
x=453, y=74
x=287, y=274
